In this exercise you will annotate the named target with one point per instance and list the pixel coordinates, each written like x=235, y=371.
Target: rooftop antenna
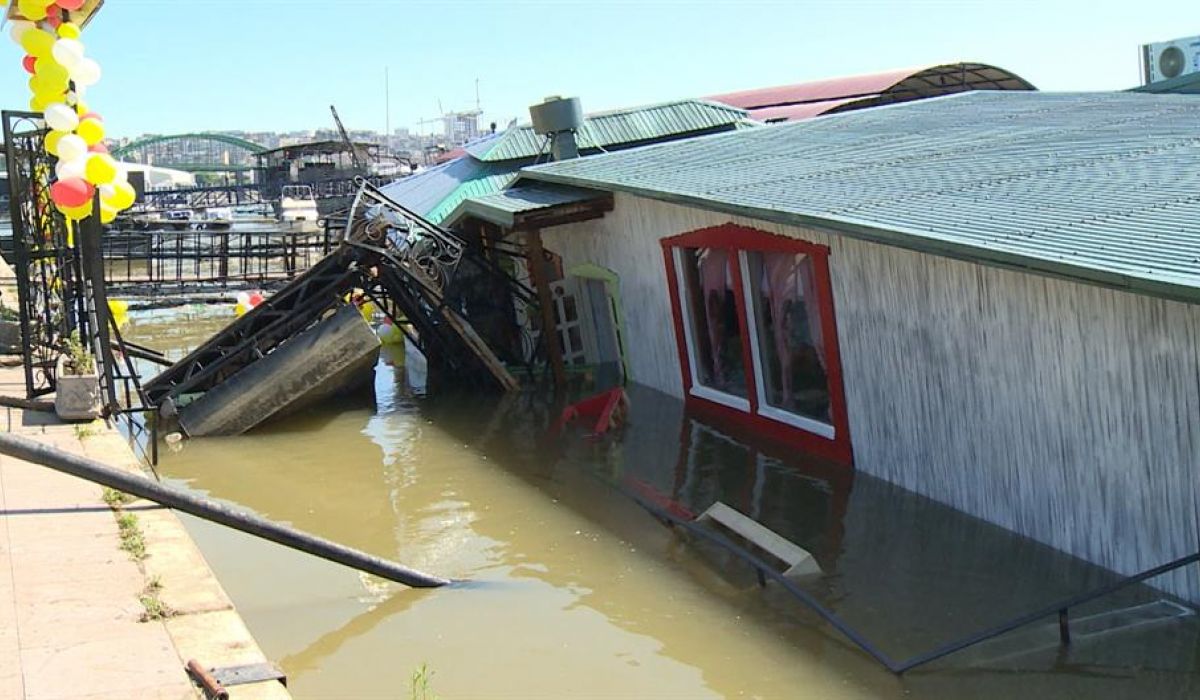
x=387, y=109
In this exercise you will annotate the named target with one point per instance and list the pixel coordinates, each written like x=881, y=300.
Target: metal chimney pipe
x=558, y=119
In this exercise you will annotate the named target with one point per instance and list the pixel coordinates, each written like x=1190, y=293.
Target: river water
x=576, y=590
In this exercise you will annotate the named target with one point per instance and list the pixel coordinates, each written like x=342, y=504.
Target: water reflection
x=577, y=590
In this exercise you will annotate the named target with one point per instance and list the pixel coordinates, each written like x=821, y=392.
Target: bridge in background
x=193, y=153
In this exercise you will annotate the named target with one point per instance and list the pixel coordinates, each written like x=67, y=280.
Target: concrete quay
x=71, y=600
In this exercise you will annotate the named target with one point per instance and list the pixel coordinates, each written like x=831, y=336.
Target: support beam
x=537, y=270
x=140, y=486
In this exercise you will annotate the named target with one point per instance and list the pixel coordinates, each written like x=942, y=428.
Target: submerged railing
x=765, y=571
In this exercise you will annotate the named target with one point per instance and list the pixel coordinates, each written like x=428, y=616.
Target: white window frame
x=766, y=410
x=697, y=389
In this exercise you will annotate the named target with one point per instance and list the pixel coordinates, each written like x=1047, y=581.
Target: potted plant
x=78, y=386
x=10, y=331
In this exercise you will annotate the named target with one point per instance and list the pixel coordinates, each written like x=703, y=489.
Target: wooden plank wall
x=1066, y=412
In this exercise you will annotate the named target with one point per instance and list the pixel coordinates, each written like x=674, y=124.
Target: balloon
x=101, y=169
x=38, y=104
x=97, y=148
x=76, y=213
x=32, y=9
x=69, y=30
x=256, y=298
x=107, y=216
x=18, y=29
x=86, y=72
x=62, y=118
x=30, y=64
x=68, y=52
x=123, y=195
x=50, y=71
x=52, y=140
x=90, y=130
x=71, y=147
x=71, y=169
x=117, y=308
x=70, y=4
x=72, y=192
x=106, y=193
x=37, y=43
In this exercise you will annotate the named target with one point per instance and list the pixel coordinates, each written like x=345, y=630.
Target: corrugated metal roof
x=1103, y=187
x=501, y=207
x=433, y=193
x=604, y=130
x=804, y=100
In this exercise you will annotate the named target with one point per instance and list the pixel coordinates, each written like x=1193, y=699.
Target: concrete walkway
x=70, y=597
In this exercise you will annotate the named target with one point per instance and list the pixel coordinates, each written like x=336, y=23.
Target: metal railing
x=1060, y=609
x=219, y=259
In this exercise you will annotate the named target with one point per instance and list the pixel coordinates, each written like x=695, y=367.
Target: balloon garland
x=60, y=74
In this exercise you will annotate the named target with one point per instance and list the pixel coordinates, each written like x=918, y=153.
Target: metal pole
x=91, y=470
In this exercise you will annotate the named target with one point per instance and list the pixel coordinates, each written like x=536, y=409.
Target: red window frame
x=737, y=239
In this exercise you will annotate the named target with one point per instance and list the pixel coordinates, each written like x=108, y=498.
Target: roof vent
x=559, y=118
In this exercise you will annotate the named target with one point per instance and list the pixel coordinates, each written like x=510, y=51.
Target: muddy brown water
x=575, y=589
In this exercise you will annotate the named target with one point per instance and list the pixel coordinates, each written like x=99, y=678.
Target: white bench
x=799, y=561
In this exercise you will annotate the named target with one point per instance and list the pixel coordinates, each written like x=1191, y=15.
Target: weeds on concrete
x=156, y=609
x=85, y=430
x=132, y=540
x=117, y=499
x=422, y=688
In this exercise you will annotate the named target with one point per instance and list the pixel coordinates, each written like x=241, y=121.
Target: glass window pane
x=711, y=303
x=787, y=319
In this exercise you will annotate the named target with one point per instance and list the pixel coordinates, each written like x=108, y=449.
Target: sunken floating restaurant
x=988, y=298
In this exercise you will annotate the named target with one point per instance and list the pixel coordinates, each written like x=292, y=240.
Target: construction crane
x=358, y=158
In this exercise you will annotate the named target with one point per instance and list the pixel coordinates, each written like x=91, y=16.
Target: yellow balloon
x=81, y=108
x=76, y=213
x=123, y=195
x=52, y=140
x=37, y=43
x=52, y=72
x=33, y=10
x=117, y=308
x=107, y=215
x=91, y=130
x=240, y=309
x=69, y=30
x=38, y=104
x=101, y=169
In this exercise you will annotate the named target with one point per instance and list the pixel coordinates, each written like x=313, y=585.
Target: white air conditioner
x=1170, y=59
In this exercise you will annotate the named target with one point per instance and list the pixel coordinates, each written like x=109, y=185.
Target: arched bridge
x=195, y=153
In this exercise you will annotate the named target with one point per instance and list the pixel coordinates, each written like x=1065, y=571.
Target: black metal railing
x=180, y=260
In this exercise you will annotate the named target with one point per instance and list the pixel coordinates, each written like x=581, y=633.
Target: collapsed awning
x=534, y=206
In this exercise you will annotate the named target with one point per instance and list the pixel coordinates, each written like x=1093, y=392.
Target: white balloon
x=61, y=117
x=66, y=169
x=107, y=191
x=18, y=29
x=85, y=73
x=71, y=147
x=68, y=52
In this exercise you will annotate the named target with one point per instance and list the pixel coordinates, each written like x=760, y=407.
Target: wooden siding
x=1065, y=412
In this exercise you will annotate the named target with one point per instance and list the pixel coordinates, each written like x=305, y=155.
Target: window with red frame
x=757, y=338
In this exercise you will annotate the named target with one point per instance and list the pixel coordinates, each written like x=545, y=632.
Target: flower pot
x=10, y=337
x=77, y=396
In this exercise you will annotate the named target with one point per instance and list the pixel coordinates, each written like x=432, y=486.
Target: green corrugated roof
x=620, y=127
x=482, y=185
x=1101, y=187
x=501, y=207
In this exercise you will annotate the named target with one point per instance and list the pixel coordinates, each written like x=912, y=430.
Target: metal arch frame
x=254, y=148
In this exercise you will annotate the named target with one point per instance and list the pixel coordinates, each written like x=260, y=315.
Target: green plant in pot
x=77, y=396
x=10, y=331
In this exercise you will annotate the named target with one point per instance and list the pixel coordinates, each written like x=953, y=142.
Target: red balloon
x=92, y=115
x=72, y=192
x=54, y=16
x=30, y=63
x=98, y=148
x=256, y=298
x=70, y=4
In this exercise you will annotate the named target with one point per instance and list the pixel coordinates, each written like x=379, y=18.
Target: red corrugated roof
x=829, y=89
x=802, y=111
x=810, y=99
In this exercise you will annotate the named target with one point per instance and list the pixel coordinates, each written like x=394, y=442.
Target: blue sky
x=184, y=65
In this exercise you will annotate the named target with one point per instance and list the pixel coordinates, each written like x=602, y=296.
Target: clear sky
x=188, y=65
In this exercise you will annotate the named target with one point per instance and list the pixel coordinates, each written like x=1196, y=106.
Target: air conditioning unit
x=1170, y=59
